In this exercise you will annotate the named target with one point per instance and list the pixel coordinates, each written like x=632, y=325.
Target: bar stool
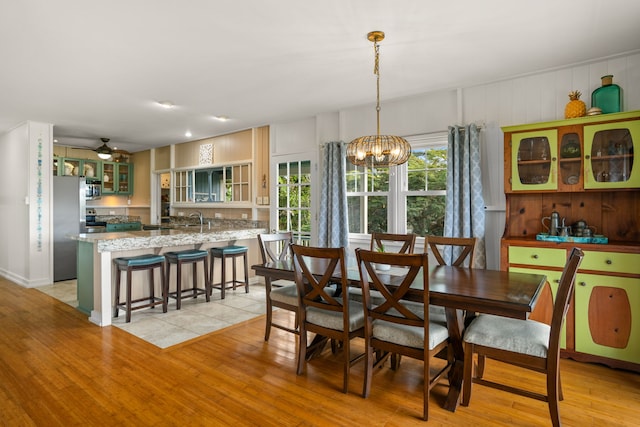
x=229, y=252
x=190, y=256
x=142, y=262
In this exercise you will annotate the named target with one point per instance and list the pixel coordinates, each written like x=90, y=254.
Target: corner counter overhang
x=107, y=246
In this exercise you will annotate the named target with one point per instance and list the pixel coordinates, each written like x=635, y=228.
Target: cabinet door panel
x=605, y=321
x=611, y=261
x=534, y=160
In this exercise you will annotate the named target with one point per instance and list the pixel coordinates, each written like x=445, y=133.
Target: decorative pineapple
x=575, y=107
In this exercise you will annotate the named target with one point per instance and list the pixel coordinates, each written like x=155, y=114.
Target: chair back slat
x=393, y=287
x=381, y=240
x=315, y=269
x=465, y=246
x=275, y=246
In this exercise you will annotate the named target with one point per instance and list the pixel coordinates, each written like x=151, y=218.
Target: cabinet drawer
x=124, y=226
x=544, y=257
x=611, y=261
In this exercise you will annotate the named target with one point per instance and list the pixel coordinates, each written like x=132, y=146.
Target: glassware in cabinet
x=610, y=155
x=534, y=159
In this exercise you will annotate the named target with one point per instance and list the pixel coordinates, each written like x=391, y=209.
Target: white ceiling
x=98, y=69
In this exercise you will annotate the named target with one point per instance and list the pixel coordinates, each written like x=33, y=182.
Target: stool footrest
x=156, y=301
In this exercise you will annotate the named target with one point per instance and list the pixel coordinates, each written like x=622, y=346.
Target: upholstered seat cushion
x=287, y=294
x=356, y=295
x=189, y=254
x=138, y=261
x=520, y=336
x=333, y=319
x=437, y=315
x=228, y=250
x=410, y=336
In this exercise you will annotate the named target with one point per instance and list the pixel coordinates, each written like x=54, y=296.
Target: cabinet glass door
x=610, y=155
x=124, y=178
x=108, y=177
x=534, y=156
x=91, y=170
x=70, y=167
x=570, y=161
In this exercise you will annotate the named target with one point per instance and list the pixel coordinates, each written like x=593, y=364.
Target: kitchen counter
x=96, y=252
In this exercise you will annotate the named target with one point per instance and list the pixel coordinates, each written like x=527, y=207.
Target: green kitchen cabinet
x=117, y=178
x=124, y=226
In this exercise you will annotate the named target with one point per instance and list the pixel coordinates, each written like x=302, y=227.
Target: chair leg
x=467, y=375
x=267, y=330
x=152, y=285
x=480, y=368
x=115, y=309
x=207, y=280
x=128, y=317
x=178, y=285
x=223, y=276
x=302, y=351
x=368, y=371
x=553, y=392
x=165, y=289
x=346, y=348
x=246, y=273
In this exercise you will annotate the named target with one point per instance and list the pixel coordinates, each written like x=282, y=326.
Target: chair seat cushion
x=333, y=319
x=138, y=261
x=228, y=250
x=410, y=336
x=437, y=315
x=190, y=254
x=520, y=336
x=355, y=294
x=287, y=294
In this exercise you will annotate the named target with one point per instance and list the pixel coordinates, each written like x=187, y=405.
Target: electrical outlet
x=217, y=215
x=265, y=200
x=112, y=212
x=180, y=213
x=258, y=200
x=245, y=216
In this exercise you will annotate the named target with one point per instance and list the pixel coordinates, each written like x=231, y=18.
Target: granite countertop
x=194, y=235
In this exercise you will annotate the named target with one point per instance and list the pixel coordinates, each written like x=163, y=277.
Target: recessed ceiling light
x=221, y=118
x=166, y=104
x=55, y=140
x=187, y=134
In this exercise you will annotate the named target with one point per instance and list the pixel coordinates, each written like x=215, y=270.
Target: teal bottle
x=608, y=97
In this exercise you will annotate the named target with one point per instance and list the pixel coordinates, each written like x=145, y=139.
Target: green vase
x=608, y=97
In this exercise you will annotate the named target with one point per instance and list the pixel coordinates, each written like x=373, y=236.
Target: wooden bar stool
x=143, y=262
x=229, y=252
x=190, y=256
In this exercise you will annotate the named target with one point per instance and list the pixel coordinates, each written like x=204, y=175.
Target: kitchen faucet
x=198, y=214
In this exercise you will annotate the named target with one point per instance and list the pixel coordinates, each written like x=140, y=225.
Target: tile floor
x=196, y=317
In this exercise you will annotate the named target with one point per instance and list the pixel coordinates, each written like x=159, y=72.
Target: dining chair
x=281, y=293
x=462, y=249
x=381, y=241
x=523, y=343
x=323, y=312
x=398, y=326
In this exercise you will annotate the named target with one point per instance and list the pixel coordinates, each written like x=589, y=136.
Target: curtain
x=333, y=227
x=464, y=215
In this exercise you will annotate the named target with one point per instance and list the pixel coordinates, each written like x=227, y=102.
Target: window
x=409, y=198
x=294, y=199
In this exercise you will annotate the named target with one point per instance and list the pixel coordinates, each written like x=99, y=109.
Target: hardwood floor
x=56, y=368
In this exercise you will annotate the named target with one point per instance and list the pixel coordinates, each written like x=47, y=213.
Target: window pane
x=378, y=180
x=355, y=204
x=425, y=215
x=377, y=212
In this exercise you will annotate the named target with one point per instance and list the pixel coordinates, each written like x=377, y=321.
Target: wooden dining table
x=460, y=291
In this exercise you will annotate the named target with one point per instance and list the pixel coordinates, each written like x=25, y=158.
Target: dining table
x=462, y=291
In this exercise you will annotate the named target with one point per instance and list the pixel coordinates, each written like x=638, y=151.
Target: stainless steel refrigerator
x=69, y=216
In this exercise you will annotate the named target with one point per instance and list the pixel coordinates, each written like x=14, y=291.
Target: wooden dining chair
x=283, y=294
x=398, y=326
x=523, y=343
x=383, y=240
x=322, y=310
x=462, y=249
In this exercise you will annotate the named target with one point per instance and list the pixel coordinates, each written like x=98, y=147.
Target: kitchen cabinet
x=594, y=152
x=66, y=166
x=124, y=226
x=603, y=321
x=586, y=170
x=117, y=178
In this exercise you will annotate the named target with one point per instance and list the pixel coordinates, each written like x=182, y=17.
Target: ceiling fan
x=105, y=152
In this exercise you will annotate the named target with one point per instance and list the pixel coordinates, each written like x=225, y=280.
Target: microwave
x=93, y=190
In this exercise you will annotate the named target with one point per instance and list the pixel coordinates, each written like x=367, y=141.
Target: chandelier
x=378, y=150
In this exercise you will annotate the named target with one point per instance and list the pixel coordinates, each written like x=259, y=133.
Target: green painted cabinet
x=117, y=178
x=124, y=226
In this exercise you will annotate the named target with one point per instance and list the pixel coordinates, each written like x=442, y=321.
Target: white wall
x=525, y=99
x=25, y=214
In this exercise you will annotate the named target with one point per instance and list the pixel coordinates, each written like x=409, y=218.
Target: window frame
x=398, y=187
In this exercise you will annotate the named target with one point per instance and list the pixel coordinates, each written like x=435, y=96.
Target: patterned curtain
x=464, y=216
x=333, y=227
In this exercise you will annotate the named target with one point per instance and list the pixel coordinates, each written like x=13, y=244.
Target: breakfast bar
x=96, y=252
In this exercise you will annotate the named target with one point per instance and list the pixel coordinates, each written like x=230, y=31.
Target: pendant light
x=378, y=150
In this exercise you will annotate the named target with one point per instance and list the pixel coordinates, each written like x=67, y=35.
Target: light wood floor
x=56, y=368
